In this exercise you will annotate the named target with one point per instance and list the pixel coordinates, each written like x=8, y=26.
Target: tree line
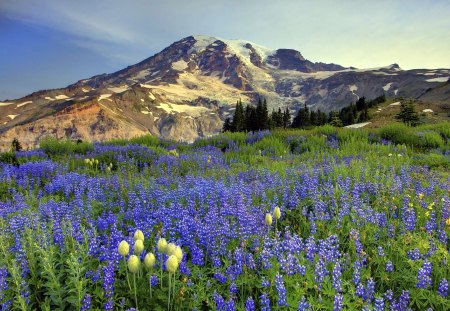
x=257, y=118
x=251, y=118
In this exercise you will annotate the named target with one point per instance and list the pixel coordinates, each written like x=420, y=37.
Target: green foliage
x=16, y=145
x=430, y=140
x=58, y=147
x=146, y=140
x=9, y=157
x=398, y=133
x=433, y=160
x=407, y=114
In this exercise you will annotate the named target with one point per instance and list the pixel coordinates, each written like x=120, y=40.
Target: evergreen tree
x=227, y=126
x=238, y=123
x=251, y=119
x=361, y=104
x=408, y=114
x=321, y=117
x=262, y=115
x=16, y=145
x=302, y=119
x=313, y=118
x=286, y=118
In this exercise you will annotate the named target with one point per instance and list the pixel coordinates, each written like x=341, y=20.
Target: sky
x=47, y=44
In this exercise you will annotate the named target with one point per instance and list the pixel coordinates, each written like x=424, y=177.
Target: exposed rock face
x=189, y=88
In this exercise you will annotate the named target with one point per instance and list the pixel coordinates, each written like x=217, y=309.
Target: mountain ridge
x=186, y=91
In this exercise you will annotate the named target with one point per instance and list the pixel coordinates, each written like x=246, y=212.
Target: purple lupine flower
x=357, y=272
x=265, y=282
x=281, y=290
x=86, y=302
x=389, y=295
x=389, y=266
x=229, y=305
x=154, y=280
x=220, y=277
x=338, y=303
x=3, y=282
x=424, y=275
x=233, y=288
x=336, y=277
x=443, y=288
x=370, y=289
x=379, y=304
x=219, y=301
x=321, y=271
x=403, y=301
x=360, y=291
x=109, y=304
x=108, y=279
x=414, y=254
x=381, y=251
x=264, y=301
x=249, y=304
x=303, y=305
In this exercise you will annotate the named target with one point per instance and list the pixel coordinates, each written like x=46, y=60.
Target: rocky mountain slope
x=189, y=88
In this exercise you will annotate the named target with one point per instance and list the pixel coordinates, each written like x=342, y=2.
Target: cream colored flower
x=162, y=245
x=123, y=248
x=149, y=260
x=133, y=263
x=268, y=219
x=138, y=247
x=139, y=235
x=172, y=264
x=277, y=213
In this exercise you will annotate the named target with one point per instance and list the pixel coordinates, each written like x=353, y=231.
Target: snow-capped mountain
x=189, y=88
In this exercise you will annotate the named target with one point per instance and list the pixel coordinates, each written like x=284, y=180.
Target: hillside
x=189, y=88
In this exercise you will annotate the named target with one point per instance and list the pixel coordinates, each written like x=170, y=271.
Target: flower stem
x=126, y=270
x=135, y=296
x=168, y=301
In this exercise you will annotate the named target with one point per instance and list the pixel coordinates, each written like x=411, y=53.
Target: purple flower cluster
x=424, y=275
x=281, y=290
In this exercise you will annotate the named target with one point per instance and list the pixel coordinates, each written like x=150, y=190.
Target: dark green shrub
x=53, y=146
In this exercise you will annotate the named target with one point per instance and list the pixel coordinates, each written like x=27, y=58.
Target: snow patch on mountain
x=24, y=103
x=357, y=125
x=105, y=97
x=13, y=116
x=120, y=89
x=5, y=104
x=353, y=88
x=236, y=47
x=439, y=79
x=179, y=65
x=194, y=111
x=387, y=86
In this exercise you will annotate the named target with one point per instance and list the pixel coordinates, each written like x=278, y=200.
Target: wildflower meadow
x=321, y=219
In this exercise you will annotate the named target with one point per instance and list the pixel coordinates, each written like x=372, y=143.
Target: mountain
x=188, y=89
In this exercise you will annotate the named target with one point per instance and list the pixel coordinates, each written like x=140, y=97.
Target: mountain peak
x=189, y=88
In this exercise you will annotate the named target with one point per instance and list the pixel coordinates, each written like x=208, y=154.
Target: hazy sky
x=49, y=44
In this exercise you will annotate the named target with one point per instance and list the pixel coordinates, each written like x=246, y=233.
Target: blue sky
x=51, y=43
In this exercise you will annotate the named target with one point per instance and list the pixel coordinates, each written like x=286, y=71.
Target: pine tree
x=251, y=119
x=16, y=145
x=238, y=123
x=262, y=115
x=227, y=126
x=277, y=118
x=321, y=117
x=302, y=119
x=286, y=118
x=408, y=114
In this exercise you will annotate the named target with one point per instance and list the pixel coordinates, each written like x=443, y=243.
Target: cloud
x=323, y=30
